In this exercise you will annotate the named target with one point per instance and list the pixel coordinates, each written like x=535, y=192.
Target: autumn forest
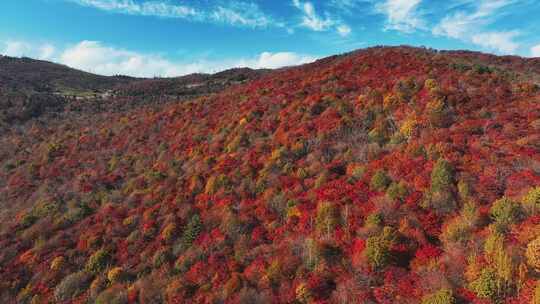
x=385, y=175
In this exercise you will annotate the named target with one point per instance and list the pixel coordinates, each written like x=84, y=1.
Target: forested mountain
x=38, y=91
x=385, y=175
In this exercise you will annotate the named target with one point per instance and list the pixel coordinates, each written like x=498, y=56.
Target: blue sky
x=177, y=37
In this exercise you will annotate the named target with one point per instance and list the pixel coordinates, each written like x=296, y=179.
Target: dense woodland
x=40, y=92
x=387, y=175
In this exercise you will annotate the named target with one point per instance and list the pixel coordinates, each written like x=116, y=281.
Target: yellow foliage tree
x=533, y=254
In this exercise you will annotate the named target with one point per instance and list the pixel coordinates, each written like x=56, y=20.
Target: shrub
x=98, y=261
x=215, y=183
x=456, y=231
x=273, y=272
x=533, y=254
x=169, y=232
x=397, y=191
x=374, y=220
x=443, y=296
x=377, y=135
x=409, y=127
x=378, y=248
x=57, y=263
x=97, y=286
x=71, y=286
x=438, y=113
x=116, y=275
x=113, y=295
x=431, y=84
x=379, y=180
x=161, y=257
x=303, y=294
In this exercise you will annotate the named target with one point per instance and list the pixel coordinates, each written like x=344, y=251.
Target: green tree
x=380, y=181
x=327, y=217
x=485, y=286
x=378, y=248
x=397, y=191
x=443, y=296
x=533, y=254
x=504, y=212
x=531, y=201
x=98, y=261
x=441, y=195
x=442, y=176
x=192, y=230
x=502, y=263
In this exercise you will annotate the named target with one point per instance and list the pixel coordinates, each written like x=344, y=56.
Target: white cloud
x=468, y=26
x=281, y=59
x=344, y=30
x=314, y=22
x=46, y=51
x=535, y=51
x=95, y=57
x=462, y=23
x=502, y=42
x=16, y=49
x=401, y=15
x=310, y=19
x=152, y=8
x=233, y=13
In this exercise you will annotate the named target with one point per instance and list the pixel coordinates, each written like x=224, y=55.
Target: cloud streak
x=469, y=26
x=313, y=21
x=401, y=15
x=234, y=13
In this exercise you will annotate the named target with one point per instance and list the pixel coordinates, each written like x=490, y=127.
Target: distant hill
x=29, y=88
x=30, y=76
x=32, y=88
x=385, y=175
x=188, y=86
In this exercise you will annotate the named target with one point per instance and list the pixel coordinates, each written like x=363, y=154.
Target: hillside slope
x=387, y=175
x=38, y=91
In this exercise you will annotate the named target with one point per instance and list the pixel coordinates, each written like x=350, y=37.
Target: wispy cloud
x=96, y=57
x=233, y=12
x=461, y=23
x=470, y=26
x=313, y=21
x=310, y=19
x=345, y=5
x=401, y=15
x=344, y=30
